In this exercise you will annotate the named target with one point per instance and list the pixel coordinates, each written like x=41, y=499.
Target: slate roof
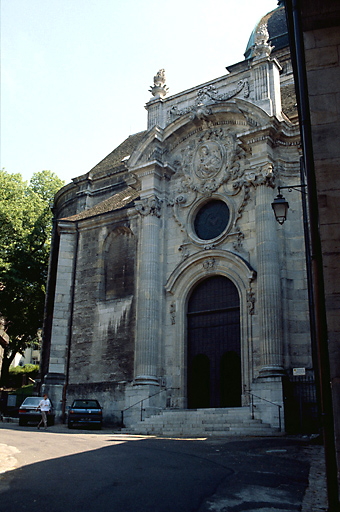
x=113, y=161
x=122, y=199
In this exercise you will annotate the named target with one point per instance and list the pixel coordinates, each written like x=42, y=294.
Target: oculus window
x=211, y=220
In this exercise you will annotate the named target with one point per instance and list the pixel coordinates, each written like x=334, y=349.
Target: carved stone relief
x=173, y=313
x=159, y=89
x=209, y=264
x=251, y=296
x=208, y=160
x=261, y=47
x=208, y=96
x=213, y=163
x=208, y=164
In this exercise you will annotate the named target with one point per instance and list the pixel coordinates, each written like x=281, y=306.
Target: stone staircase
x=202, y=423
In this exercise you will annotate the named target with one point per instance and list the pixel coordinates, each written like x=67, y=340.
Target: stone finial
x=159, y=89
x=261, y=47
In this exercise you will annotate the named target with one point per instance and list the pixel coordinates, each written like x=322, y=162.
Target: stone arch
x=119, y=250
x=179, y=286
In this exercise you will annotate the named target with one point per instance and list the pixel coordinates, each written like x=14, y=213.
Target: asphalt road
x=99, y=471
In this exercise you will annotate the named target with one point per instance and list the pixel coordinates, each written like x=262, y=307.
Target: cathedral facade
x=171, y=284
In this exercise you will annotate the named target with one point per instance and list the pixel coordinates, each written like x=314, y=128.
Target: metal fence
x=300, y=404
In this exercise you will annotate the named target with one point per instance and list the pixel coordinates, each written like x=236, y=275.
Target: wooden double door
x=214, y=350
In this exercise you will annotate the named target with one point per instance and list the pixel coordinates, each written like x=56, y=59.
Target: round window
x=211, y=220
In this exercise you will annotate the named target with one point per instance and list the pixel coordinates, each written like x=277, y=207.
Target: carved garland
x=206, y=96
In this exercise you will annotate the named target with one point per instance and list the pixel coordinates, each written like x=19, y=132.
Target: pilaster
x=266, y=75
x=156, y=111
x=268, y=281
x=63, y=300
x=149, y=292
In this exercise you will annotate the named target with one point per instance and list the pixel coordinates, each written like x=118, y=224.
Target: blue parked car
x=85, y=412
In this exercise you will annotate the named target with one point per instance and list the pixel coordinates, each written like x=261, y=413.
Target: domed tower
x=276, y=25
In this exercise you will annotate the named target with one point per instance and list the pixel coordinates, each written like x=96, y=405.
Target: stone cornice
x=155, y=167
x=67, y=227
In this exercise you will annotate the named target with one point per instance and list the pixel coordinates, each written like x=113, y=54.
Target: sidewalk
x=315, y=499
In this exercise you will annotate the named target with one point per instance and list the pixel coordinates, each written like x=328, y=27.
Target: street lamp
x=280, y=207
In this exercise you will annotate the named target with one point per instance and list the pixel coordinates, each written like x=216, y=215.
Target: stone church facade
x=170, y=280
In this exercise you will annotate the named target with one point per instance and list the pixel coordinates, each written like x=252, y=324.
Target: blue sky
x=75, y=74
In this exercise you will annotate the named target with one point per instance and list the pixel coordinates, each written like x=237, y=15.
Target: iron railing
x=265, y=400
x=141, y=402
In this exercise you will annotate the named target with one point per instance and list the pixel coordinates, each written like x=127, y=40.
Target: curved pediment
x=204, y=263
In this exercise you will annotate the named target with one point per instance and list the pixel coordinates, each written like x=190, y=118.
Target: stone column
x=149, y=292
x=268, y=272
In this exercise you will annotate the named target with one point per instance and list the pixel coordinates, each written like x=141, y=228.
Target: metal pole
x=280, y=427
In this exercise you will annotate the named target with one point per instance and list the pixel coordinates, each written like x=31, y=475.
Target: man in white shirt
x=44, y=406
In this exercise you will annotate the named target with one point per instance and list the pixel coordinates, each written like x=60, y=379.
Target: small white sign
x=11, y=400
x=299, y=371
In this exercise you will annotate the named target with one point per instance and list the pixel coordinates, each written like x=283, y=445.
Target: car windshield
x=86, y=404
x=32, y=400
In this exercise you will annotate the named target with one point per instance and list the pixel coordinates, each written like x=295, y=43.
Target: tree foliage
x=25, y=234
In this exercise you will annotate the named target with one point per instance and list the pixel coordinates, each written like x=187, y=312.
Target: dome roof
x=277, y=29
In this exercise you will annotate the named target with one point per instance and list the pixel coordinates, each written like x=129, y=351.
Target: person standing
x=44, y=406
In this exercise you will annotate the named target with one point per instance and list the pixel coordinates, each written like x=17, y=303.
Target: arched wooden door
x=214, y=350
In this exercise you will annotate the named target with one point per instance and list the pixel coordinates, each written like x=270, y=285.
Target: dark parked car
x=85, y=412
x=28, y=411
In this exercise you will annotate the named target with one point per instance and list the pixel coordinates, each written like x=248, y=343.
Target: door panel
x=213, y=331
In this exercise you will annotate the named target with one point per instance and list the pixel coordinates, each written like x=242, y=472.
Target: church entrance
x=214, y=350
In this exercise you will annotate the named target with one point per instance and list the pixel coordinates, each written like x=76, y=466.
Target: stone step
x=202, y=422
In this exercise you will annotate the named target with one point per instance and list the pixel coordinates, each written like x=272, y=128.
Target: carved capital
x=263, y=176
x=149, y=206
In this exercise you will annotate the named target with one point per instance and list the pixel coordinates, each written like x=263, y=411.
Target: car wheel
x=70, y=425
x=22, y=422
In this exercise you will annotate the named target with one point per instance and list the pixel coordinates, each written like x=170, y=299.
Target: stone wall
x=322, y=51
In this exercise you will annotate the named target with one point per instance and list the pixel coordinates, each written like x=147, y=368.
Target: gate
x=300, y=404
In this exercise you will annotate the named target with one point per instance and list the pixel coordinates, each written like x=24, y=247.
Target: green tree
x=25, y=234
